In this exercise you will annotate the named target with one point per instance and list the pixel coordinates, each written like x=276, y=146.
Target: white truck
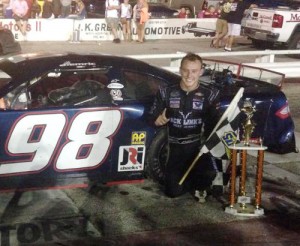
x=269, y=27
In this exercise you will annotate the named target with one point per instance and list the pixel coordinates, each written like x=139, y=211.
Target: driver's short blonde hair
x=191, y=57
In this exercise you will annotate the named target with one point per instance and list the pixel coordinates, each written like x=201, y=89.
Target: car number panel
x=46, y=145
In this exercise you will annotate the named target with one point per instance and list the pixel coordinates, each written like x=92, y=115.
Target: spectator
x=7, y=12
x=221, y=25
x=112, y=17
x=174, y=107
x=80, y=9
x=126, y=14
x=182, y=13
x=188, y=13
x=65, y=8
x=56, y=8
x=211, y=12
x=205, y=5
x=29, y=4
x=203, y=9
x=234, y=19
x=35, y=9
x=20, y=11
x=47, y=10
x=141, y=17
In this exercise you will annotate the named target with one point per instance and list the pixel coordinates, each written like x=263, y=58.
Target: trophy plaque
x=243, y=205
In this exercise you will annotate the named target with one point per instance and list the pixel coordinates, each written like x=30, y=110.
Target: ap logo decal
x=131, y=158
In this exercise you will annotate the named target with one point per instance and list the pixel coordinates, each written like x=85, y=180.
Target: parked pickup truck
x=267, y=27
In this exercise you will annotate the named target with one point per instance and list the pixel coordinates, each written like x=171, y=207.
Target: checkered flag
x=223, y=135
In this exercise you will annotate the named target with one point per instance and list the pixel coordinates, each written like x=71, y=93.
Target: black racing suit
x=188, y=114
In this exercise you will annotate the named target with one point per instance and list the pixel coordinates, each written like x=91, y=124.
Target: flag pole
x=190, y=168
x=231, y=106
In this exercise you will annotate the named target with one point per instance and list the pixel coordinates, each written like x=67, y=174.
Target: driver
x=185, y=108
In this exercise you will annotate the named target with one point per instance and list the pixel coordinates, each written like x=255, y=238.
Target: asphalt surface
x=140, y=214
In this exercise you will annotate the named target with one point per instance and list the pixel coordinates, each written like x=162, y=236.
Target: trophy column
x=243, y=204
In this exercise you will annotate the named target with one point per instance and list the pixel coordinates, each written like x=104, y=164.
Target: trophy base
x=244, y=210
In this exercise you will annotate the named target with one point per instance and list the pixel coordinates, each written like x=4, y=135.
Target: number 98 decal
x=34, y=141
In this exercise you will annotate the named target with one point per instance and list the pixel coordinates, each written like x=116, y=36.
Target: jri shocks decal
x=131, y=158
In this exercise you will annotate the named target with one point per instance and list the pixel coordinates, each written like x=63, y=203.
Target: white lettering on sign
x=34, y=140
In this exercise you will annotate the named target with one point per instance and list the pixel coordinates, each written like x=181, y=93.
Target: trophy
x=248, y=125
x=243, y=205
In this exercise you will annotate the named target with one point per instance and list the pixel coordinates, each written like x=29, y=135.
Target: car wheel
x=157, y=156
x=294, y=44
x=262, y=45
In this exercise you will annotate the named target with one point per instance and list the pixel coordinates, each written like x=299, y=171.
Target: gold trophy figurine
x=248, y=125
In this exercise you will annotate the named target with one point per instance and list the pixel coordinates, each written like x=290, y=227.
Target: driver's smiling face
x=190, y=72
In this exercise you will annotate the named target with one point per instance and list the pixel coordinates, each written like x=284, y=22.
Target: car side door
x=58, y=130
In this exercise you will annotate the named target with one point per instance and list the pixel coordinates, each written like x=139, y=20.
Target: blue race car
x=70, y=119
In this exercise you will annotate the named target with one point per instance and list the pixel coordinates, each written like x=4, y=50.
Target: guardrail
x=263, y=59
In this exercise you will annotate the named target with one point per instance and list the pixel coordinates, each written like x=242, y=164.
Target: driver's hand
x=162, y=119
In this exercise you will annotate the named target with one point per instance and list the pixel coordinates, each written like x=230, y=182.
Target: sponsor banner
x=42, y=29
x=97, y=29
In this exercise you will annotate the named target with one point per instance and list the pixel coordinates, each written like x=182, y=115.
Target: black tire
x=262, y=45
x=294, y=44
x=157, y=156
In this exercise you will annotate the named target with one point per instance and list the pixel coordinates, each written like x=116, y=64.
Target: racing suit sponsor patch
x=197, y=104
x=174, y=103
